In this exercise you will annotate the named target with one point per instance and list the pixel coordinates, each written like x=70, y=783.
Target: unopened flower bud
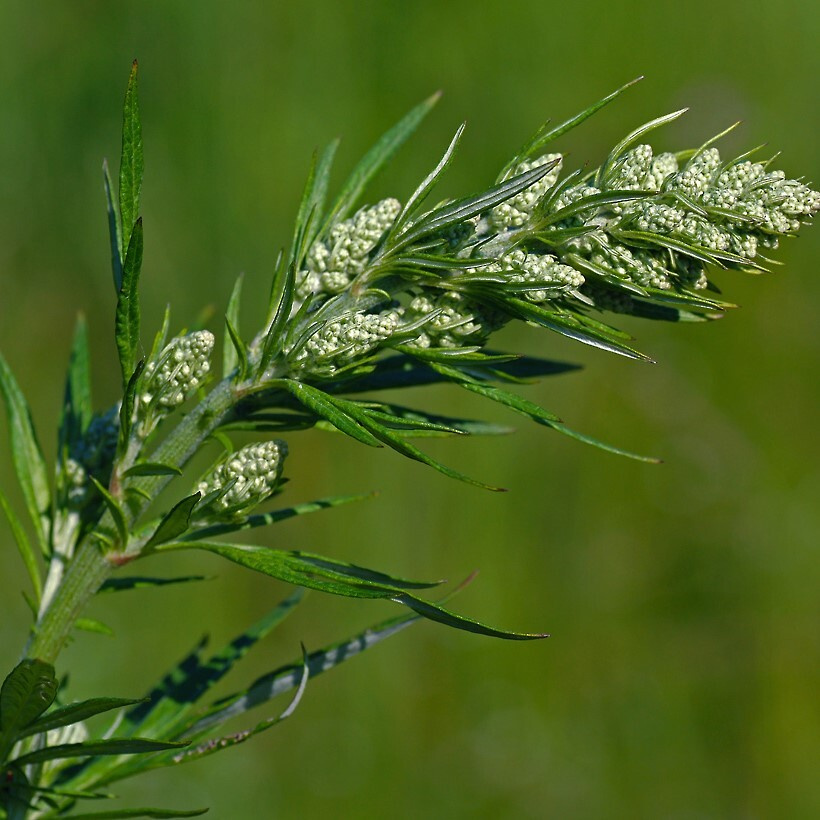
x=181, y=368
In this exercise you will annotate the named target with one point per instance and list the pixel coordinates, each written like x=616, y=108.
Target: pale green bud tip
x=331, y=263
x=181, y=368
x=247, y=477
x=516, y=211
x=341, y=341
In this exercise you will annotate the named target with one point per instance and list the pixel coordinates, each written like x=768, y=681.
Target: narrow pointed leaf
x=144, y=468
x=114, y=229
x=117, y=513
x=118, y=746
x=129, y=400
x=175, y=523
x=309, y=215
x=74, y=713
x=235, y=354
x=26, y=455
x=77, y=404
x=24, y=547
x=376, y=158
x=127, y=320
x=230, y=352
x=131, y=161
x=143, y=582
x=95, y=626
x=158, y=813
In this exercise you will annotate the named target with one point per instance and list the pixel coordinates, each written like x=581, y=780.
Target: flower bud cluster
x=332, y=263
x=180, y=369
x=342, y=340
x=455, y=320
x=516, y=211
x=521, y=268
x=245, y=479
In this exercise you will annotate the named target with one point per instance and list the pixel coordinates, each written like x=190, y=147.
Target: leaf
x=131, y=163
x=327, y=408
x=77, y=404
x=143, y=468
x=165, y=709
x=280, y=319
x=26, y=693
x=117, y=746
x=114, y=813
x=376, y=158
x=129, y=399
x=397, y=443
x=629, y=140
x=26, y=456
x=117, y=513
x=427, y=185
x=237, y=353
x=468, y=207
x=532, y=411
x=74, y=713
x=127, y=319
x=546, y=135
x=231, y=353
x=175, y=523
x=217, y=744
x=315, y=572
x=114, y=229
x=267, y=519
x=92, y=625
x=313, y=200
x=24, y=548
x=287, y=677
x=141, y=582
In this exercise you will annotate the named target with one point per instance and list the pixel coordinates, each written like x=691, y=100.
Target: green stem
x=90, y=567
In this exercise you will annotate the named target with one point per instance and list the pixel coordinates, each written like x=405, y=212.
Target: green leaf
x=376, y=158
x=74, y=713
x=117, y=513
x=231, y=353
x=77, y=404
x=127, y=319
x=532, y=411
x=327, y=408
x=629, y=140
x=276, y=331
x=238, y=352
x=129, y=399
x=175, y=523
x=114, y=813
x=313, y=199
x=95, y=626
x=461, y=209
x=118, y=746
x=142, y=582
x=24, y=548
x=167, y=707
x=26, y=456
x=143, y=468
x=26, y=693
x=131, y=162
x=400, y=445
x=288, y=677
x=315, y=572
x=114, y=229
x=267, y=519
x=546, y=135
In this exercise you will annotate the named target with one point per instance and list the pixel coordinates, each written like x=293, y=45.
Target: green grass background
x=681, y=677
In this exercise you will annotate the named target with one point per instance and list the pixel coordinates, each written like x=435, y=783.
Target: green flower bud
x=456, y=320
x=522, y=268
x=181, y=368
x=245, y=479
x=516, y=211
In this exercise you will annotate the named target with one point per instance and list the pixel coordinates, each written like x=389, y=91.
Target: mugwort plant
x=366, y=298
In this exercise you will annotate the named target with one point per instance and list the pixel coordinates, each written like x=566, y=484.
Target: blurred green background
x=682, y=675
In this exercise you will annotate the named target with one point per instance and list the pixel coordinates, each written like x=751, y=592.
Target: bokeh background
x=682, y=674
